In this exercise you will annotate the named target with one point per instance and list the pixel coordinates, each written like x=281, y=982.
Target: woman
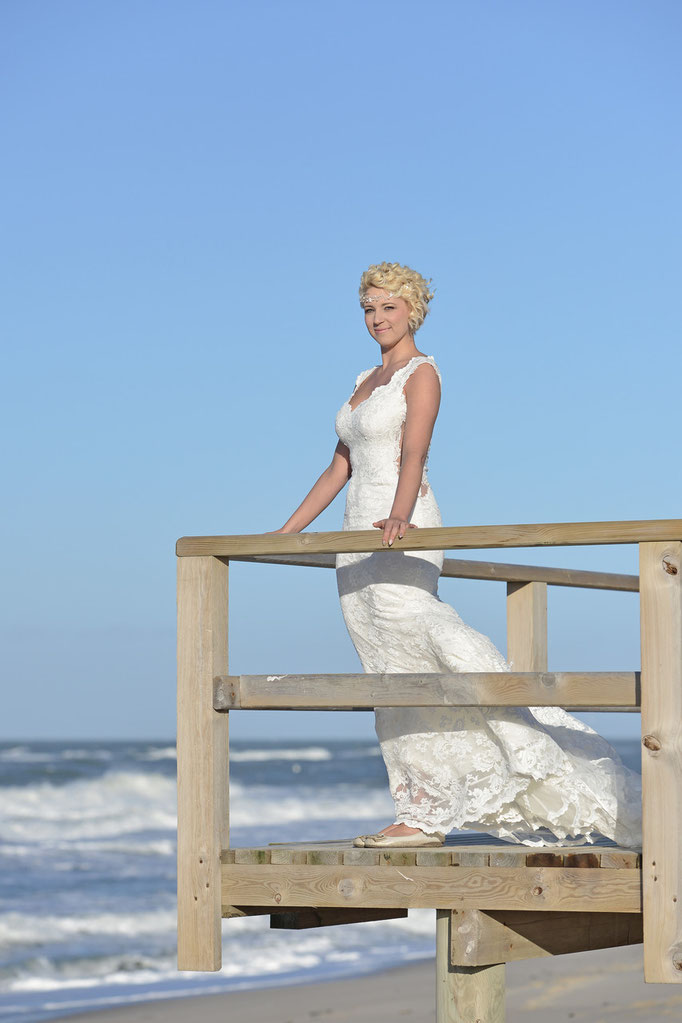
x=531, y=775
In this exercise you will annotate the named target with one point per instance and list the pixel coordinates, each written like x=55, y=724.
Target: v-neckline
x=379, y=386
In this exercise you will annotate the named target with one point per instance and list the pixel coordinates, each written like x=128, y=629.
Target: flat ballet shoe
x=404, y=841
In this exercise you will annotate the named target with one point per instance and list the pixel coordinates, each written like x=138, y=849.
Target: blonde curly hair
x=402, y=282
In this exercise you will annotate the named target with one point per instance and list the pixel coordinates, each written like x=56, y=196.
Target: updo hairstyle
x=403, y=283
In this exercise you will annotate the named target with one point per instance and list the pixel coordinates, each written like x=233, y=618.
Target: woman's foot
x=399, y=834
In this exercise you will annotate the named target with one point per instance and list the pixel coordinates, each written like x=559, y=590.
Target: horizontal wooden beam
x=612, y=690
x=482, y=938
x=410, y=887
x=300, y=919
x=307, y=916
x=548, y=534
x=459, y=568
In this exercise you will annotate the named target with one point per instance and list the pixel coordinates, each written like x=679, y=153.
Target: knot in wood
x=346, y=887
x=278, y=897
x=651, y=743
x=669, y=565
x=677, y=960
x=537, y=890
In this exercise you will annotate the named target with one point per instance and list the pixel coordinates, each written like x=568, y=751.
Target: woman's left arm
x=422, y=392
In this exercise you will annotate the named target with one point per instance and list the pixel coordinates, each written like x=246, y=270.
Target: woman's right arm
x=330, y=483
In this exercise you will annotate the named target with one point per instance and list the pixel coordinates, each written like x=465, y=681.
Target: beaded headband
x=364, y=299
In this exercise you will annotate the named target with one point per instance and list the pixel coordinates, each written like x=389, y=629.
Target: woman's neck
x=402, y=351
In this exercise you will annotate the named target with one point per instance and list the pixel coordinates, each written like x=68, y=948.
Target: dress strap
x=362, y=376
x=418, y=360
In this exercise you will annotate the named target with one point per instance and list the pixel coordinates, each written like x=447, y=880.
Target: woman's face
x=386, y=316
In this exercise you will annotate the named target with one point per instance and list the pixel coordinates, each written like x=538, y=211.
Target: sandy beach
x=588, y=987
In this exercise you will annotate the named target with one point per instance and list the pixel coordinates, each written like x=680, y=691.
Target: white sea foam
x=24, y=755
x=87, y=754
x=115, y=803
x=122, y=803
x=251, y=949
x=309, y=753
x=159, y=753
x=24, y=929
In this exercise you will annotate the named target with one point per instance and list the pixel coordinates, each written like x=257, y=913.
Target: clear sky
x=192, y=189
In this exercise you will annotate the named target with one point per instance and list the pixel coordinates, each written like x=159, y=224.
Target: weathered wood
x=299, y=919
x=432, y=858
x=288, y=856
x=574, y=689
x=661, y=635
x=362, y=857
x=202, y=760
x=324, y=857
x=459, y=568
x=254, y=856
x=534, y=888
x=546, y=534
x=470, y=857
x=619, y=858
x=465, y=994
x=527, y=627
x=481, y=938
x=459, y=850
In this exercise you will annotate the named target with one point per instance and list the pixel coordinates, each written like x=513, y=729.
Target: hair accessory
x=389, y=294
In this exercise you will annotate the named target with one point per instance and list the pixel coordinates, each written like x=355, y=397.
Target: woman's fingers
x=393, y=528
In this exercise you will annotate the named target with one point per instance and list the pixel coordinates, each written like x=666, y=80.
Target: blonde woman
x=530, y=775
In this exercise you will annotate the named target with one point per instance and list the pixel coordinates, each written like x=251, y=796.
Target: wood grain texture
x=460, y=568
x=465, y=994
x=547, y=534
x=202, y=760
x=527, y=627
x=481, y=938
x=459, y=850
x=661, y=635
x=571, y=689
x=462, y=887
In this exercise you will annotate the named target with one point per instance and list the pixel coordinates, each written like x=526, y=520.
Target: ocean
x=87, y=861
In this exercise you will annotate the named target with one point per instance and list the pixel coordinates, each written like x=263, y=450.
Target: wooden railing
x=207, y=691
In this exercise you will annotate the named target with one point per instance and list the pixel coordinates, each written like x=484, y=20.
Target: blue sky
x=192, y=190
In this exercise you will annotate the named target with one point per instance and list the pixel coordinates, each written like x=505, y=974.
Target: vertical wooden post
x=661, y=635
x=202, y=759
x=465, y=994
x=527, y=626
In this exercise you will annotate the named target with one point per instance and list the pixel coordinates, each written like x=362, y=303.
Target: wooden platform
x=474, y=872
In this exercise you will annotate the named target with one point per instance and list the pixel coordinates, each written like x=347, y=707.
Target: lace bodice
x=373, y=429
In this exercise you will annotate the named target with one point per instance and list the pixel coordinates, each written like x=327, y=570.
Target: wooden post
x=661, y=635
x=465, y=994
x=527, y=626
x=202, y=759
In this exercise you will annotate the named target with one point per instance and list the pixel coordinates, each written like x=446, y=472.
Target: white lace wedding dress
x=532, y=775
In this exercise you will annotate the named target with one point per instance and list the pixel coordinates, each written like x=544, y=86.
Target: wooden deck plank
x=459, y=850
x=464, y=887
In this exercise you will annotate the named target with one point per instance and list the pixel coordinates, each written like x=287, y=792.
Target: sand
x=587, y=987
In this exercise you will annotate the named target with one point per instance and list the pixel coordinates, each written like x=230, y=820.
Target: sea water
x=87, y=871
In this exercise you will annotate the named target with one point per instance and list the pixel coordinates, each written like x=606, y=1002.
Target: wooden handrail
x=585, y=690
x=548, y=534
x=459, y=568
